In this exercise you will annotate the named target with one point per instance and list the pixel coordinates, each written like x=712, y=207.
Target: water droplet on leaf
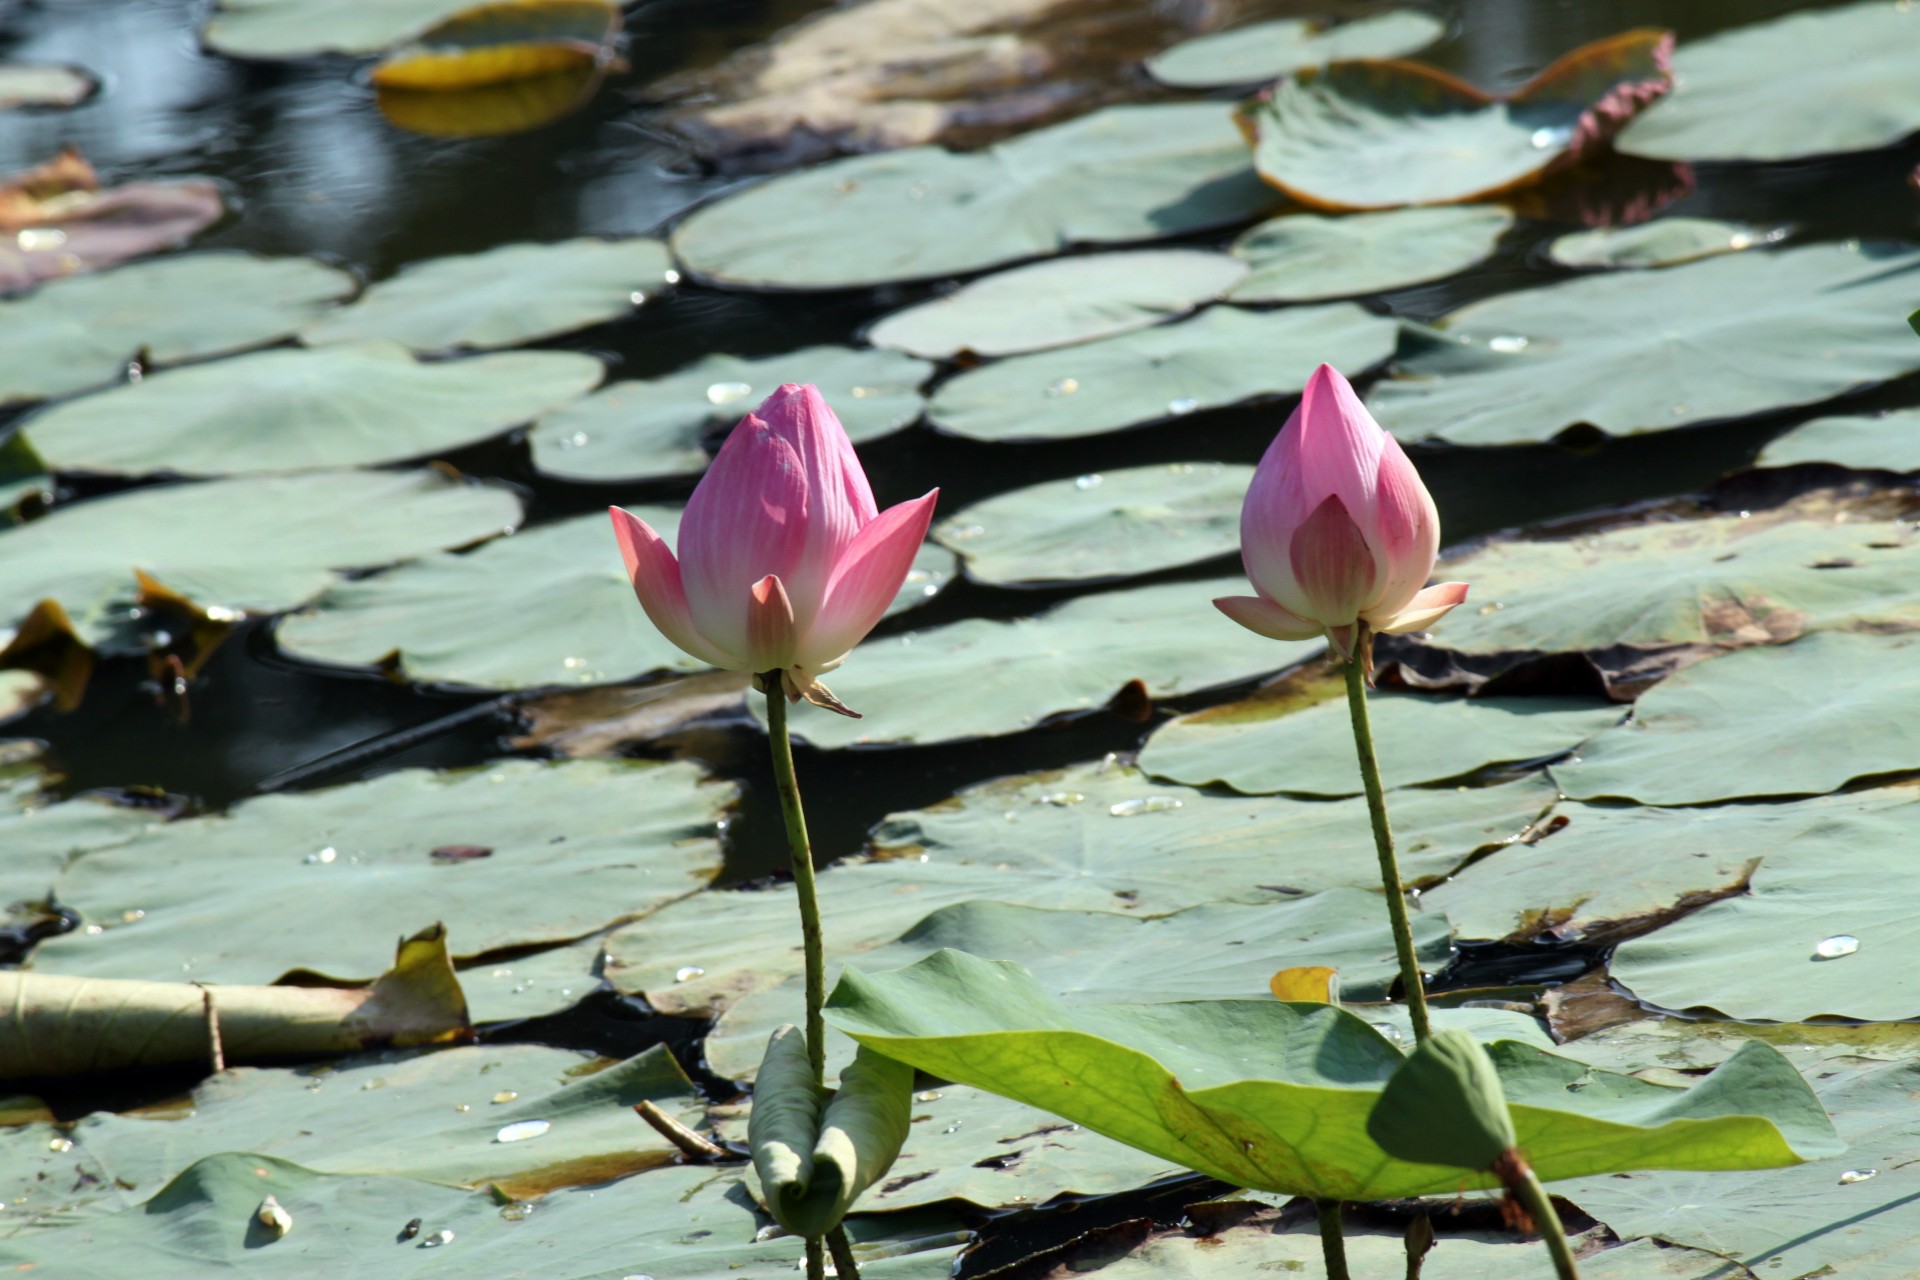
x=728, y=392
x=1143, y=804
x=1852, y=1176
x=1063, y=386
x=1841, y=944
x=1182, y=406
x=687, y=973
x=504, y=1096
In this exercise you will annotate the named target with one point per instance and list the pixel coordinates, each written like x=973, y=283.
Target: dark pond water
x=312, y=167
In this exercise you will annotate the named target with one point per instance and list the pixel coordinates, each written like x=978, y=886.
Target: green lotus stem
x=1383, y=837
x=801, y=851
x=816, y=1258
x=842, y=1250
x=1533, y=1197
x=1333, y=1244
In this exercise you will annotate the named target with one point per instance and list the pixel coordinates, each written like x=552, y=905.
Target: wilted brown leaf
x=55, y=220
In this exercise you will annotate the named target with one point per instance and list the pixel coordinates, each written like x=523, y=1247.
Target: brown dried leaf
x=57, y=221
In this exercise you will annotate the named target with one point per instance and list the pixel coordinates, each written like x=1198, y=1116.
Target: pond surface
x=310, y=166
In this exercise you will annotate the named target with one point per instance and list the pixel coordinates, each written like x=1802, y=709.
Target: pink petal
x=1333, y=565
x=839, y=501
x=1338, y=446
x=655, y=575
x=1405, y=535
x=746, y=520
x=1425, y=609
x=866, y=581
x=1265, y=618
x=770, y=630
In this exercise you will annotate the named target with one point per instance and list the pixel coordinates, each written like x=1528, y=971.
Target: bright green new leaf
x=1223, y=356
x=1444, y=1105
x=815, y=1154
x=1275, y=1096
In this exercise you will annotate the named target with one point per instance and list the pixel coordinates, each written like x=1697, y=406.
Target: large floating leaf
x=660, y=426
x=255, y=544
x=1887, y=443
x=1600, y=871
x=1794, y=719
x=1724, y=581
x=56, y=219
x=1060, y=301
x=691, y=1223
x=1268, y=50
x=1275, y=1096
x=1380, y=134
x=494, y=110
x=1220, y=951
x=1664, y=242
x=1222, y=356
x=1850, y=1215
x=1102, y=525
x=326, y=880
x=978, y=678
x=1304, y=257
x=1087, y=838
x=78, y=333
x=1825, y=928
x=491, y=44
x=1125, y=173
x=1632, y=353
x=1740, y=93
x=435, y=1117
x=359, y=404
x=303, y=28
x=1258, y=748
x=503, y=297
x=41, y=838
x=462, y=618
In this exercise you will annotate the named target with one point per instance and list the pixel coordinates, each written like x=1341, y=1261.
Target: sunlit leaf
x=1665, y=242
x=1268, y=50
x=511, y=40
x=1304, y=257
x=305, y=28
x=491, y=111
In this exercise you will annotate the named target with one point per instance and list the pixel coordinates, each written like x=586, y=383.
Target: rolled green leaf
x=1444, y=1106
x=815, y=1160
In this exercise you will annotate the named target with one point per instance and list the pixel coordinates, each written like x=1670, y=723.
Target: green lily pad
x=1664, y=242
x=360, y=404
x=967, y=1144
x=1060, y=301
x=1114, y=524
x=1850, y=1215
x=1796, y=719
x=41, y=838
x=1821, y=930
x=1607, y=871
x=686, y=1223
x=247, y=545
x=1123, y=174
x=81, y=331
x=307, y=28
x=1090, y=838
x=1268, y=50
x=533, y=985
x=1304, y=257
x=326, y=880
x=1073, y=658
x=1381, y=134
x=504, y=297
x=659, y=427
x=1219, y=951
x=1274, y=1096
x=1725, y=581
x=435, y=1116
x=1737, y=92
x=1637, y=352
x=1890, y=442
x=1419, y=739
x=1223, y=356
x=461, y=618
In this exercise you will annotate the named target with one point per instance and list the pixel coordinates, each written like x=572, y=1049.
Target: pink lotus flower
x=1337, y=529
x=785, y=564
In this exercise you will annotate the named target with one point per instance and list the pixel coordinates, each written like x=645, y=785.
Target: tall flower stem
x=1333, y=1244
x=801, y=851
x=1383, y=837
x=1525, y=1187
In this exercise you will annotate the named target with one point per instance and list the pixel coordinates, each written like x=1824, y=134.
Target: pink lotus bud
x=1337, y=529
x=784, y=562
